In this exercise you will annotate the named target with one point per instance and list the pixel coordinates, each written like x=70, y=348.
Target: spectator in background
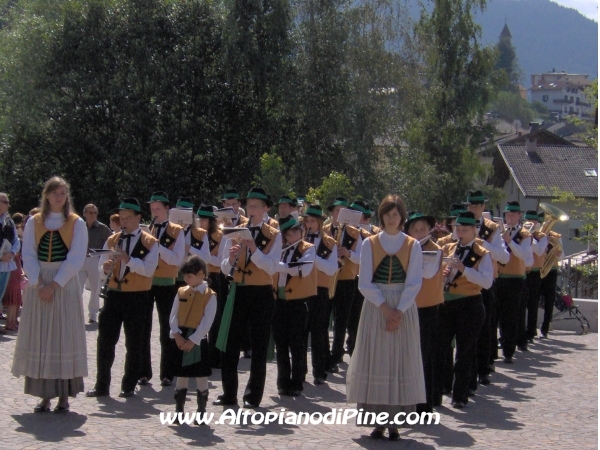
x=12, y=299
x=115, y=223
x=97, y=235
x=9, y=241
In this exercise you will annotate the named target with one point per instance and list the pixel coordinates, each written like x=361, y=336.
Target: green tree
x=334, y=185
x=274, y=178
x=507, y=61
x=511, y=106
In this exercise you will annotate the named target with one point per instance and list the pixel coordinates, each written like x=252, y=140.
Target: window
x=545, y=98
x=590, y=172
x=566, y=97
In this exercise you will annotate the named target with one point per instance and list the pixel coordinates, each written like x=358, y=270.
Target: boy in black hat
x=349, y=242
x=171, y=254
x=455, y=210
x=511, y=279
x=231, y=199
x=489, y=232
x=128, y=295
x=252, y=265
x=534, y=281
x=295, y=283
x=469, y=271
x=285, y=206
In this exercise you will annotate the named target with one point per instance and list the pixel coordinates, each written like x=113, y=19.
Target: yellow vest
x=249, y=273
x=403, y=254
x=515, y=267
x=66, y=231
x=432, y=289
x=445, y=240
x=131, y=282
x=461, y=287
x=191, y=306
x=298, y=287
x=168, y=238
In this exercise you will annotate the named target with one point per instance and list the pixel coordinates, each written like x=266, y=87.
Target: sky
x=588, y=8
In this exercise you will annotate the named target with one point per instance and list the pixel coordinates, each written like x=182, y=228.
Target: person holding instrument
x=231, y=199
x=128, y=295
x=295, y=282
x=50, y=350
x=251, y=263
x=468, y=271
x=386, y=369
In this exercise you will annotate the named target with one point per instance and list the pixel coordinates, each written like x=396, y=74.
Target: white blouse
x=75, y=257
x=414, y=275
x=205, y=323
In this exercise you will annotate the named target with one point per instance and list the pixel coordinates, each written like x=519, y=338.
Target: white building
x=561, y=93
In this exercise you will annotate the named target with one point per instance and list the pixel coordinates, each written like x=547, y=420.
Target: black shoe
x=334, y=368
x=491, y=368
x=281, y=391
x=125, y=394
x=393, y=435
x=250, y=405
x=523, y=348
x=458, y=405
x=377, y=433
x=42, y=408
x=143, y=381
x=62, y=409
x=91, y=321
x=471, y=392
x=508, y=360
x=319, y=380
x=248, y=354
x=543, y=335
x=222, y=401
x=201, y=400
x=484, y=380
x=530, y=341
x=166, y=382
x=294, y=392
x=96, y=393
x=179, y=398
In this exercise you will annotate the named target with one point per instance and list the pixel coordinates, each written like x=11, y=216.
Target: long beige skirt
x=51, y=340
x=386, y=368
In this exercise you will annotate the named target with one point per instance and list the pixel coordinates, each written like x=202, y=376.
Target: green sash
x=221, y=343
x=193, y=356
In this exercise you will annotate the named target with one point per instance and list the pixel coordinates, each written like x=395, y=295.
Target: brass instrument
x=341, y=262
x=553, y=215
x=104, y=289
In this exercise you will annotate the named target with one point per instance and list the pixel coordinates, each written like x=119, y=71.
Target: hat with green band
x=231, y=194
x=184, y=203
x=339, y=201
x=532, y=215
x=159, y=196
x=131, y=204
x=259, y=194
x=206, y=211
x=475, y=198
x=512, y=207
x=287, y=223
x=414, y=216
x=287, y=199
x=456, y=209
x=314, y=211
x=359, y=205
x=466, y=218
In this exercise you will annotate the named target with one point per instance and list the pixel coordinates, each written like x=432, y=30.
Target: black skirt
x=199, y=369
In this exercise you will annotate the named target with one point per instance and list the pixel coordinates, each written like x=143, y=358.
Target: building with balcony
x=562, y=93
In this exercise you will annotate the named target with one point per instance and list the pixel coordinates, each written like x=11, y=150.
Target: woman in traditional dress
x=386, y=368
x=51, y=350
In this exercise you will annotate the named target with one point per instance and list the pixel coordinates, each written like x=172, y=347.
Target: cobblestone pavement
x=547, y=399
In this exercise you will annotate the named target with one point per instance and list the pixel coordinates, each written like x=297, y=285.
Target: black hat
x=475, y=198
x=131, y=204
x=159, y=196
x=359, y=205
x=466, y=218
x=287, y=199
x=287, y=223
x=513, y=207
x=339, y=201
x=206, y=211
x=456, y=209
x=185, y=203
x=314, y=211
x=532, y=215
x=260, y=194
x=416, y=215
x=231, y=194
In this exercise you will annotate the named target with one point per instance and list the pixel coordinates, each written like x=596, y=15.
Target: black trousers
x=463, y=318
x=548, y=290
x=127, y=309
x=493, y=325
x=354, y=318
x=254, y=308
x=443, y=360
x=534, y=285
x=487, y=334
x=289, y=333
x=510, y=298
x=319, y=309
x=214, y=353
x=163, y=296
x=428, y=326
x=341, y=305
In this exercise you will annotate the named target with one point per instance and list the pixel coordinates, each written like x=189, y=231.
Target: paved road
x=547, y=399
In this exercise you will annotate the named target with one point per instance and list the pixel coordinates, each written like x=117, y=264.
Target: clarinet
x=233, y=267
x=104, y=289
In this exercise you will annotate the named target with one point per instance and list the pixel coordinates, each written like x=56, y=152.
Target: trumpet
x=104, y=289
x=234, y=265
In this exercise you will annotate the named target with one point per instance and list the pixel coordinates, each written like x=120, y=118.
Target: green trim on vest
x=504, y=275
x=157, y=281
x=59, y=249
x=382, y=273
